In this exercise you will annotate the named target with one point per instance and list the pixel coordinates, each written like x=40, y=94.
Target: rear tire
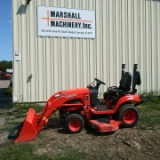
x=128, y=115
x=74, y=123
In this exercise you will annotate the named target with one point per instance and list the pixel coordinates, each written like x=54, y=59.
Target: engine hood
x=76, y=92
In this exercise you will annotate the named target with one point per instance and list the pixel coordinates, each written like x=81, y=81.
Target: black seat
x=124, y=87
x=125, y=82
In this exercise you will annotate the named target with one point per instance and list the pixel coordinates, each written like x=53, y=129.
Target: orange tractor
x=81, y=106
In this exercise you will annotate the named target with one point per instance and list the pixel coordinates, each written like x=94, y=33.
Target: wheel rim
x=74, y=125
x=129, y=117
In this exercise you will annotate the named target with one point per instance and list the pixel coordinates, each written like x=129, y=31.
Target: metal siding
x=158, y=46
x=155, y=19
x=127, y=31
x=148, y=46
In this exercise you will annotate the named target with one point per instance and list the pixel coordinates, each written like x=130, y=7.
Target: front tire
x=74, y=123
x=128, y=115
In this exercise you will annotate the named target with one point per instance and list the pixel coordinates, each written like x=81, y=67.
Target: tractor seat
x=125, y=84
x=124, y=87
x=114, y=89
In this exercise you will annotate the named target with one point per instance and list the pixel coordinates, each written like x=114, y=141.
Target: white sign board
x=17, y=56
x=65, y=22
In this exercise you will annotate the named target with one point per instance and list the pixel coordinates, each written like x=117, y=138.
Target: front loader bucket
x=27, y=130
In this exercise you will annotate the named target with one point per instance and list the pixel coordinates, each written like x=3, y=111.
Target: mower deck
x=104, y=125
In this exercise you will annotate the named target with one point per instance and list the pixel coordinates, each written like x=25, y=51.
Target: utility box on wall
x=66, y=44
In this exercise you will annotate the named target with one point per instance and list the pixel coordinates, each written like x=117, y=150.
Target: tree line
x=4, y=65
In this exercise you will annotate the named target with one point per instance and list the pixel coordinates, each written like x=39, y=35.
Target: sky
x=5, y=30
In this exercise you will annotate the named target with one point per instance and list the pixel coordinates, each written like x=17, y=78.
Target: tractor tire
x=74, y=123
x=128, y=115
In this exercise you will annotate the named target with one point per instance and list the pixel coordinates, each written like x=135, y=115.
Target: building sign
x=65, y=22
x=17, y=56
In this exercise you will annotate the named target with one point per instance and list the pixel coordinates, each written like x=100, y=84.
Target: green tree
x=4, y=65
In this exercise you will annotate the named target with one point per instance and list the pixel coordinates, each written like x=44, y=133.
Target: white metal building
x=123, y=31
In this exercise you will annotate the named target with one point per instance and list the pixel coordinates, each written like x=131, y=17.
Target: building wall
x=127, y=31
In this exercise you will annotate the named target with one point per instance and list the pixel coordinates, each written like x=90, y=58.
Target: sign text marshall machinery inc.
x=65, y=22
x=68, y=16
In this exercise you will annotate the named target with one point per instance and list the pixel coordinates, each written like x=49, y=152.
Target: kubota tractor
x=81, y=106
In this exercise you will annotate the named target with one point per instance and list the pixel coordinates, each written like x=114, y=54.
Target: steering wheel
x=99, y=81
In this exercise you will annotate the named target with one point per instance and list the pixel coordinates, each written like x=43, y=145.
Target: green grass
x=9, y=125
x=25, y=151
x=69, y=155
x=22, y=109
x=9, y=91
x=20, y=151
x=149, y=112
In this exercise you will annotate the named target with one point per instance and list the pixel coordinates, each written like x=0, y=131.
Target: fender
x=135, y=98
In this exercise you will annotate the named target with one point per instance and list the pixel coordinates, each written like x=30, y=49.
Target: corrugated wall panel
x=142, y=50
x=155, y=18
x=127, y=31
x=148, y=46
x=158, y=46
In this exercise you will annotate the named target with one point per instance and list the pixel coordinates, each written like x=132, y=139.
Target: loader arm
x=33, y=123
x=51, y=107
